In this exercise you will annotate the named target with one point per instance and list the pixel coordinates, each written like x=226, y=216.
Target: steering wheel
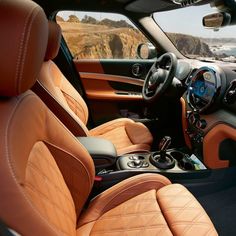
x=159, y=77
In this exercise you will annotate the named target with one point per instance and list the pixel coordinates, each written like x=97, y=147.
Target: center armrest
x=101, y=150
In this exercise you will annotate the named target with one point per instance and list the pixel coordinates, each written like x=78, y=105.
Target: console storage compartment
x=101, y=150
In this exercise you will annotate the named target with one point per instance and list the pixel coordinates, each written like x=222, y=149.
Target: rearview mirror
x=146, y=51
x=216, y=20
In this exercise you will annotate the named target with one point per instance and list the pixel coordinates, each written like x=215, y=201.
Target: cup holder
x=183, y=162
x=186, y=164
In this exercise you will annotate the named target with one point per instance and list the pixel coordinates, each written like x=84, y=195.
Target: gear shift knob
x=161, y=159
x=164, y=143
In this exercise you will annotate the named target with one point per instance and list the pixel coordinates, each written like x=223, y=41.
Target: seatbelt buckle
x=97, y=178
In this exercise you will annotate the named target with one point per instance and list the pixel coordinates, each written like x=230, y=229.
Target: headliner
x=135, y=7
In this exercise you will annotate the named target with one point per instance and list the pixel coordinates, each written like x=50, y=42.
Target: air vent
x=230, y=95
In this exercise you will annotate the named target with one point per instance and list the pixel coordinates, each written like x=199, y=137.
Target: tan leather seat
x=46, y=175
x=67, y=104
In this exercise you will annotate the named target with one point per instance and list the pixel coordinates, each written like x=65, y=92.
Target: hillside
x=89, y=38
x=189, y=45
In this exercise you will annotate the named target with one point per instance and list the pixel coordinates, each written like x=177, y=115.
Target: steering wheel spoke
x=159, y=77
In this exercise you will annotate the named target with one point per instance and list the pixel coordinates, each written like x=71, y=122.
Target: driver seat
x=46, y=175
x=67, y=104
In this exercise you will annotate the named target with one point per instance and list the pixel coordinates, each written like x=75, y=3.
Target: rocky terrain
x=89, y=38
x=191, y=46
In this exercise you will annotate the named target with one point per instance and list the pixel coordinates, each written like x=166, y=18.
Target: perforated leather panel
x=47, y=189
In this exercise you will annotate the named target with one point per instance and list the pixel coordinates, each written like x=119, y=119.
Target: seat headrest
x=54, y=39
x=23, y=42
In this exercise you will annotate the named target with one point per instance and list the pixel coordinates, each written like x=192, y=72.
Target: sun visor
x=150, y=6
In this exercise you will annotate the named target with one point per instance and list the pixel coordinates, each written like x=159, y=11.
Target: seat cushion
x=146, y=204
x=125, y=134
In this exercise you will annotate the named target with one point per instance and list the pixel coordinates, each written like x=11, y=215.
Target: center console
x=111, y=169
x=163, y=160
x=106, y=160
x=148, y=162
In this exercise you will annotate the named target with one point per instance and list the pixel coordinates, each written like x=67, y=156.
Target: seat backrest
x=57, y=92
x=46, y=175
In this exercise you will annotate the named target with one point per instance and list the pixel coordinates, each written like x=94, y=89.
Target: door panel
x=111, y=87
x=127, y=67
x=97, y=87
x=120, y=67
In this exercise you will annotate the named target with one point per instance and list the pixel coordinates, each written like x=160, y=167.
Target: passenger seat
x=67, y=104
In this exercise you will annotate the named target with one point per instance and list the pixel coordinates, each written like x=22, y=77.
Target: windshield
x=184, y=28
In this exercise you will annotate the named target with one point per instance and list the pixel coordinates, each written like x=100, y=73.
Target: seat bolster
x=120, y=193
x=110, y=125
x=138, y=133
x=184, y=214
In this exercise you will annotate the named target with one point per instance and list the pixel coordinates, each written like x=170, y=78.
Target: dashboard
x=210, y=110
x=209, y=86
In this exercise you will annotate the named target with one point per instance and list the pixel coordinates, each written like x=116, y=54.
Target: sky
x=185, y=20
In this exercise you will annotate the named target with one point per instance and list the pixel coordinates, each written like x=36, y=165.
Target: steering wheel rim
x=159, y=77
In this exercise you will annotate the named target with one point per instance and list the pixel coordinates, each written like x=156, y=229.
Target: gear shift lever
x=165, y=143
x=163, y=146
x=162, y=160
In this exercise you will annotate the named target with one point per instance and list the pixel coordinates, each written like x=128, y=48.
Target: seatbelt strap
x=4, y=231
x=73, y=125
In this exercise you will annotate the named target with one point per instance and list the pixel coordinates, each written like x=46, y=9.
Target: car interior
x=117, y=117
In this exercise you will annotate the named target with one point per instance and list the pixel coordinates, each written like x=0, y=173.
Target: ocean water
x=230, y=51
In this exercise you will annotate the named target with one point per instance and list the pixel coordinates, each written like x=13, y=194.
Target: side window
x=92, y=35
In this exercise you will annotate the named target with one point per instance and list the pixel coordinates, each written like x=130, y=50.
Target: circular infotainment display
x=202, y=89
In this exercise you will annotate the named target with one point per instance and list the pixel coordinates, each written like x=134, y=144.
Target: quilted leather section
x=138, y=133
x=125, y=134
x=118, y=137
x=76, y=107
x=140, y=215
x=184, y=214
x=47, y=190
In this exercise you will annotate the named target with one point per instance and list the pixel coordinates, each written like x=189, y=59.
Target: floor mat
x=221, y=207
